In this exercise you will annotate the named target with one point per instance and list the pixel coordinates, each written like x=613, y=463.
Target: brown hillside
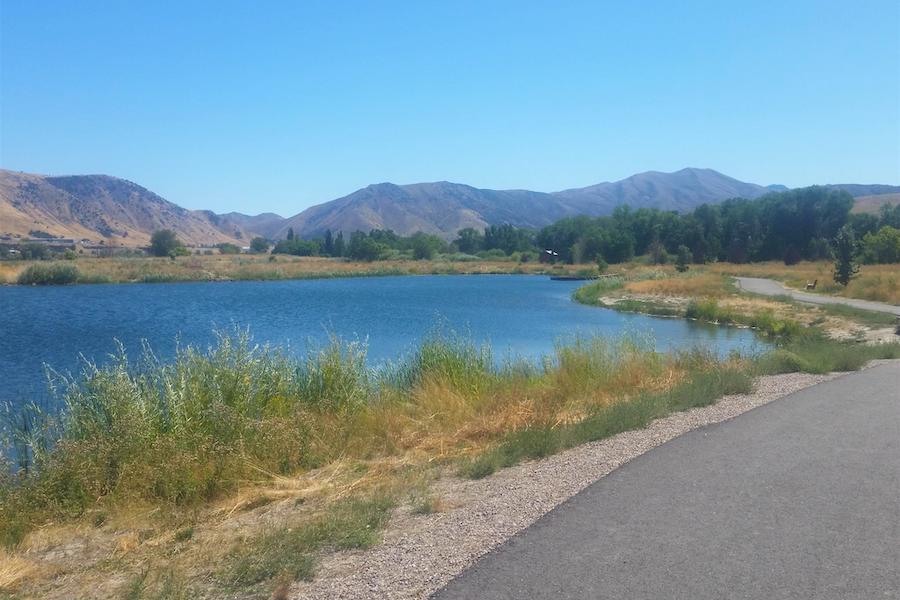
x=872, y=204
x=99, y=207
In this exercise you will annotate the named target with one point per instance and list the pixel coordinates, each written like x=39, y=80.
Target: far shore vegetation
x=804, y=236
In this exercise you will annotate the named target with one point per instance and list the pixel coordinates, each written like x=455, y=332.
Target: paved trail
x=768, y=287
x=797, y=499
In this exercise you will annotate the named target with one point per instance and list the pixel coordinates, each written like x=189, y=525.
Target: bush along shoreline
x=186, y=434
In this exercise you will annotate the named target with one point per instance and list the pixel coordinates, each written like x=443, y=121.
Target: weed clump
x=48, y=274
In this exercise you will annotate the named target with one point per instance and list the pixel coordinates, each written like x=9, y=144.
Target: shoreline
x=225, y=269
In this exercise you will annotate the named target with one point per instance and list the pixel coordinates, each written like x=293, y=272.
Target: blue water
x=518, y=314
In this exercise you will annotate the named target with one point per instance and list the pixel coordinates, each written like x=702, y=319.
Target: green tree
x=425, y=246
x=657, y=252
x=339, y=246
x=883, y=246
x=297, y=247
x=165, y=243
x=845, y=265
x=469, y=240
x=226, y=248
x=34, y=252
x=363, y=247
x=259, y=245
x=683, y=259
x=290, y=233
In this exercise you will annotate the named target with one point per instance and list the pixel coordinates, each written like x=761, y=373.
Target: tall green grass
x=48, y=274
x=454, y=359
x=179, y=432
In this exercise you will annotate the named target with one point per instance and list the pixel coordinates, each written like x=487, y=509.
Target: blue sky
x=277, y=106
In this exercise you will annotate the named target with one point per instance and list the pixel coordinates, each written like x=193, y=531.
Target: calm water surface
x=519, y=314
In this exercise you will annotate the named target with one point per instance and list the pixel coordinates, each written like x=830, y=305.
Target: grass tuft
x=289, y=553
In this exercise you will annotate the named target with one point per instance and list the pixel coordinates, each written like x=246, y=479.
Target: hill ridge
x=122, y=212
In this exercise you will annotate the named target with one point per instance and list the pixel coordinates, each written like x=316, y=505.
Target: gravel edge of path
x=422, y=553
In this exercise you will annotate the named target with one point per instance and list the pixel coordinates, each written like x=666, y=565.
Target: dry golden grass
x=259, y=267
x=13, y=570
x=695, y=284
x=874, y=282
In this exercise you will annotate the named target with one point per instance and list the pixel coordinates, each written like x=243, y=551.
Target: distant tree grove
x=790, y=226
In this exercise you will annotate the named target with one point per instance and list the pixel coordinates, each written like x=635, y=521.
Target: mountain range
x=119, y=212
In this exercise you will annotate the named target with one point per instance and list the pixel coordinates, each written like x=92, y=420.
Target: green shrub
x=592, y=292
x=49, y=274
x=226, y=248
x=335, y=378
x=165, y=242
x=493, y=254
x=708, y=310
x=461, y=257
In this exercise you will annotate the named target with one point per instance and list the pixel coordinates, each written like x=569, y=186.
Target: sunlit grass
x=875, y=282
x=266, y=268
x=690, y=284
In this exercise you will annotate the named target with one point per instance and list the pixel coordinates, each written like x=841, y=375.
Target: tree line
x=813, y=223
x=495, y=241
x=789, y=226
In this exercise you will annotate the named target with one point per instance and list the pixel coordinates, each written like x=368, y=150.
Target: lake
x=523, y=315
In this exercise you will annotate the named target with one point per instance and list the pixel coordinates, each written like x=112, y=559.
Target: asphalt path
x=799, y=498
x=768, y=287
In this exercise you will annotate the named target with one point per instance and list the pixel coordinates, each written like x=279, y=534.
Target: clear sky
x=257, y=106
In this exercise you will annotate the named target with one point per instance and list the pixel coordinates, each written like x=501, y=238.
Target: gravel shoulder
x=769, y=287
x=422, y=553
